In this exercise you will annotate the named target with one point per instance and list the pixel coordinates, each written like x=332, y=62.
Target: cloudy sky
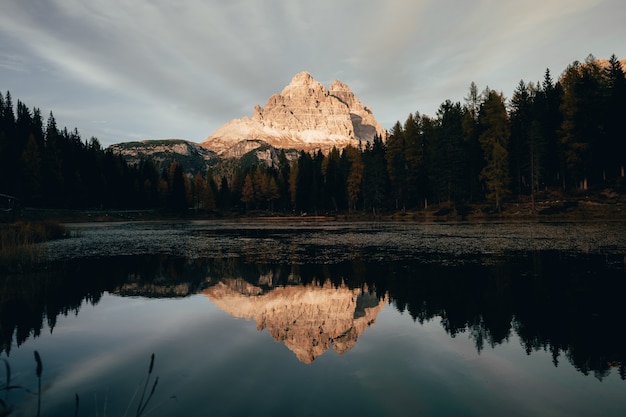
x=124, y=70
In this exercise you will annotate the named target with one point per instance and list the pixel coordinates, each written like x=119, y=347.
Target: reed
x=19, y=241
x=6, y=408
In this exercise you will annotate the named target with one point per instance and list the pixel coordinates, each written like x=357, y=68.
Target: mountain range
x=304, y=116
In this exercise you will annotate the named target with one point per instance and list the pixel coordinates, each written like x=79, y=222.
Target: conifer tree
x=471, y=132
x=355, y=176
x=375, y=180
x=448, y=160
x=494, y=139
x=397, y=166
x=615, y=119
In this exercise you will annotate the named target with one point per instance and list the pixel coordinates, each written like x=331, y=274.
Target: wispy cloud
x=192, y=66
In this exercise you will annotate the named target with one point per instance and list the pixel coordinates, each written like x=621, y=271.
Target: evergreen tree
x=494, y=140
x=375, y=181
x=224, y=197
x=615, y=120
x=294, y=173
x=527, y=144
x=547, y=114
x=582, y=131
x=448, y=162
x=355, y=176
x=334, y=181
x=178, y=192
x=397, y=165
x=471, y=132
x=31, y=172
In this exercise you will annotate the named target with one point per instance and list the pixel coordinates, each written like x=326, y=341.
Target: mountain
x=193, y=157
x=304, y=116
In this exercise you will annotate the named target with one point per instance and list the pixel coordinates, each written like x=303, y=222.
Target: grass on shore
x=19, y=242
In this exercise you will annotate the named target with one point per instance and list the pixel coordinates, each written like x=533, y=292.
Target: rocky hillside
x=304, y=116
x=193, y=157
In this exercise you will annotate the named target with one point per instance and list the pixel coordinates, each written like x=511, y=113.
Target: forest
x=564, y=136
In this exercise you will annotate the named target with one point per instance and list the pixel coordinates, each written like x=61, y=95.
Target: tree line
x=46, y=166
x=565, y=135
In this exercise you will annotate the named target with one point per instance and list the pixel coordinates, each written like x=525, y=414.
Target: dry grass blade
x=142, y=406
x=38, y=372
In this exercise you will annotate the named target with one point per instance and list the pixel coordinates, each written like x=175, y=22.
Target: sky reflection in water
x=211, y=363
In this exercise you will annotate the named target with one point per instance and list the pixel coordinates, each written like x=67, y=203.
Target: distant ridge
x=163, y=152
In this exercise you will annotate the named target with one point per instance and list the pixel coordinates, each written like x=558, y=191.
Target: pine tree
x=448, y=161
x=294, y=173
x=375, y=180
x=397, y=166
x=178, y=192
x=31, y=172
x=355, y=176
x=583, y=133
x=614, y=119
x=494, y=140
x=473, y=149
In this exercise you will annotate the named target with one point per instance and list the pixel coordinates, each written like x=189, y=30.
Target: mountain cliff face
x=307, y=319
x=304, y=116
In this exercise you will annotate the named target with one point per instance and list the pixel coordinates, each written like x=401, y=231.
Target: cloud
x=191, y=66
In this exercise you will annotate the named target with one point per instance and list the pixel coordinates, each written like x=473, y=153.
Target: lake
x=305, y=318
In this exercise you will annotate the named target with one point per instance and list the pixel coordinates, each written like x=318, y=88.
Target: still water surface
x=305, y=318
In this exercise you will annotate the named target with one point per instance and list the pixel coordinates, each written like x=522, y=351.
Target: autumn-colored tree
x=247, y=192
x=271, y=191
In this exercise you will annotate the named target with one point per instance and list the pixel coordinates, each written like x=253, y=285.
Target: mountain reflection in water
x=307, y=318
x=567, y=304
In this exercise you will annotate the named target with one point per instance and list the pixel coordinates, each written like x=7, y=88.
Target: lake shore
x=598, y=206
x=543, y=211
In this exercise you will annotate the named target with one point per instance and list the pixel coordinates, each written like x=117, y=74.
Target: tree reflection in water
x=567, y=304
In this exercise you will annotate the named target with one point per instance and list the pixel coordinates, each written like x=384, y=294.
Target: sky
x=127, y=70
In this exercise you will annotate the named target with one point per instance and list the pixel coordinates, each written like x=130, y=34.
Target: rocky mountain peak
x=302, y=79
x=304, y=116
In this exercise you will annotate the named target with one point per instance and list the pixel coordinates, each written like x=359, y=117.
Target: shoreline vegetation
x=19, y=242
x=20, y=248
x=45, y=224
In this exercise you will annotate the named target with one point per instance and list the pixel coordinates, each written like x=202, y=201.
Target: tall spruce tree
x=397, y=165
x=615, y=119
x=448, y=160
x=375, y=181
x=494, y=138
x=471, y=132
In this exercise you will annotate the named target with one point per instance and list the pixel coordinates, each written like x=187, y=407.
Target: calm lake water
x=322, y=318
